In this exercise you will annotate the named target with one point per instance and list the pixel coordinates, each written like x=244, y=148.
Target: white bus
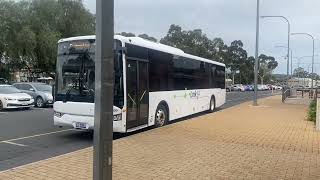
x=153, y=84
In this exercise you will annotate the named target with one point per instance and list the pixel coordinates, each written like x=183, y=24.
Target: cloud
x=228, y=19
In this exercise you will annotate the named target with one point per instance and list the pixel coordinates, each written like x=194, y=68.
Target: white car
x=237, y=87
x=13, y=98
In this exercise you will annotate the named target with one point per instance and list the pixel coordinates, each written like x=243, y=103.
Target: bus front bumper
x=82, y=122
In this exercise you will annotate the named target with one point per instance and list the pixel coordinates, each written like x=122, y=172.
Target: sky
x=229, y=20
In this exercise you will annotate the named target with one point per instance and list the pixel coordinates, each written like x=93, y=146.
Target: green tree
x=147, y=37
x=236, y=59
x=300, y=72
x=125, y=34
x=266, y=65
x=247, y=71
x=144, y=36
x=31, y=29
x=194, y=42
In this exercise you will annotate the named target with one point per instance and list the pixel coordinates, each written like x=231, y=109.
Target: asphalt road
x=29, y=135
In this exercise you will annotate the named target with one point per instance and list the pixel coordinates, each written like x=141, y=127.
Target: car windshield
x=9, y=90
x=43, y=87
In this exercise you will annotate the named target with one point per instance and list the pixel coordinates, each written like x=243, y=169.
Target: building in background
x=303, y=82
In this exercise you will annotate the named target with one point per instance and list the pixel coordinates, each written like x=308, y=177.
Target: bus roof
x=147, y=44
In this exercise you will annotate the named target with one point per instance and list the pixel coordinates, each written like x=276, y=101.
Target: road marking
x=3, y=112
x=38, y=135
x=12, y=143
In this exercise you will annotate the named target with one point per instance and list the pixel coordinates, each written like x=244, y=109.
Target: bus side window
x=214, y=76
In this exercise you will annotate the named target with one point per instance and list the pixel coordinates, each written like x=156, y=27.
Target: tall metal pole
x=291, y=64
x=256, y=65
x=104, y=79
x=313, y=39
x=288, y=49
x=289, y=31
x=312, y=62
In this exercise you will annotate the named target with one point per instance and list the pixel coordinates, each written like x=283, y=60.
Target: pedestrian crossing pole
x=104, y=79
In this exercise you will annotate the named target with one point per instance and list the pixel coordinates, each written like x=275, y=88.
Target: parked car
x=248, y=88
x=261, y=87
x=3, y=81
x=13, y=98
x=42, y=93
x=237, y=87
x=269, y=87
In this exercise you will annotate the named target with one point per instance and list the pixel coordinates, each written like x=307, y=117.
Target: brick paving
x=272, y=141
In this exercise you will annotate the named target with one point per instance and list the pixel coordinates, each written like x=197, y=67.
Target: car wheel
x=1, y=106
x=212, y=105
x=39, y=102
x=161, y=117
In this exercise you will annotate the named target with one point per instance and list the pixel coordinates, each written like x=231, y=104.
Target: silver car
x=42, y=93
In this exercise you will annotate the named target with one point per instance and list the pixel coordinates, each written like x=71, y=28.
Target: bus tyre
x=1, y=106
x=161, y=117
x=212, y=104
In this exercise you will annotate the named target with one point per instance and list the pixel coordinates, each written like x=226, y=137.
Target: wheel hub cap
x=161, y=117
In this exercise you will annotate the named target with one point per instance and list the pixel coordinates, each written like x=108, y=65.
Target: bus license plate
x=80, y=125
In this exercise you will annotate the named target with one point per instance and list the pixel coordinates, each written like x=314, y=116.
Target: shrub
x=312, y=111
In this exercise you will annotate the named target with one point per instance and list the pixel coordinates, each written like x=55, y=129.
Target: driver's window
x=118, y=82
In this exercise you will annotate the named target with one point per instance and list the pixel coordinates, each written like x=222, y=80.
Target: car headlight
x=117, y=117
x=48, y=95
x=58, y=114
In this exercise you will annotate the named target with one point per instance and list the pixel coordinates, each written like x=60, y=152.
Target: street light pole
x=291, y=64
x=104, y=79
x=313, y=39
x=290, y=50
x=289, y=30
x=256, y=63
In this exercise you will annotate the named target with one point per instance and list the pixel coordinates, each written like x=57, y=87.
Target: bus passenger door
x=137, y=93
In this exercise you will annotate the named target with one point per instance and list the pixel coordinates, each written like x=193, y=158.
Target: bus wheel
x=212, y=104
x=161, y=117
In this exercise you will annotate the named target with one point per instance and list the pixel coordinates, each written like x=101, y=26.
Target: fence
x=285, y=93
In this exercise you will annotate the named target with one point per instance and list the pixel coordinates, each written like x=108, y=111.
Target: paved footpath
x=272, y=141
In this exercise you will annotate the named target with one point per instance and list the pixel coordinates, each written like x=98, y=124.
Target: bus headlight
x=117, y=117
x=58, y=114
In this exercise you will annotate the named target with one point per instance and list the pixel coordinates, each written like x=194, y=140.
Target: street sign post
x=104, y=79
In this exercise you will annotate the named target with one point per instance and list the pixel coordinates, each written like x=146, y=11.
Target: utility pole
x=313, y=39
x=104, y=79
x=256, y=65
x=289, y=31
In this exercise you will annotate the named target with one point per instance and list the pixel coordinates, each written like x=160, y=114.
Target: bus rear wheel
x=212, y=104
x=161, y=117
